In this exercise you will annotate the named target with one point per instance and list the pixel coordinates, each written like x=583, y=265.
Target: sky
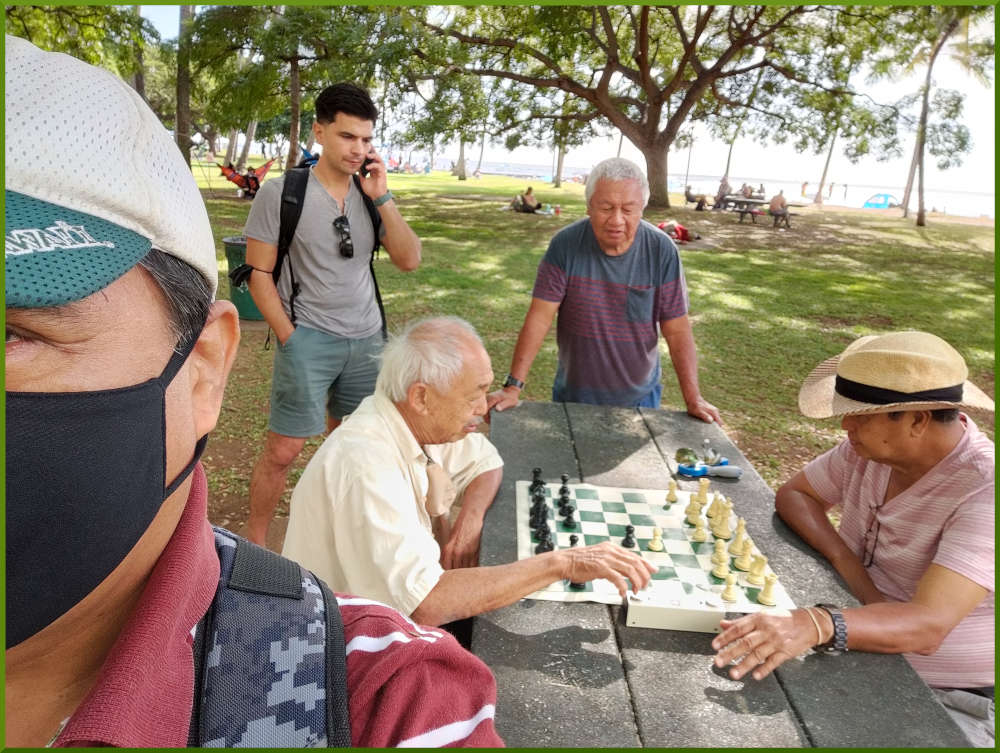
x=774, y=162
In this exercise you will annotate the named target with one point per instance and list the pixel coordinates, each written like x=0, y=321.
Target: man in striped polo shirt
x=915, y=482
x=616, y=282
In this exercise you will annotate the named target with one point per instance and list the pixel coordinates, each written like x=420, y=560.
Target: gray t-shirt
x=336, y=295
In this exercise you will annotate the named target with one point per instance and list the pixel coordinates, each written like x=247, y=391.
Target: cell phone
x=364, y=166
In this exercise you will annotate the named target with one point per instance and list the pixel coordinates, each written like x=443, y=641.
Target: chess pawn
x=629, y=541
x=731, y=592
x=756, y=576
x=766, y=596
x=719, y=555
x=569, y=521
x=699, y=531
x=702, y=490
x=744, y=561
x=721, y=570
x=672, y=491
x=573, y=539
x=656, y=543
x=739, y=539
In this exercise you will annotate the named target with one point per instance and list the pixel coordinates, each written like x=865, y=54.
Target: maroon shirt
x=406, y=683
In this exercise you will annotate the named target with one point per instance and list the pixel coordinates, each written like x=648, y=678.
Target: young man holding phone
x=324, y=363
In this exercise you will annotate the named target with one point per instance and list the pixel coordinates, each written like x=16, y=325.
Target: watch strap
x=838, y=641
x=382, y=199
x=513, y=381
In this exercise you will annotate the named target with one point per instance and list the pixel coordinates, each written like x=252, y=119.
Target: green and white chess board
x=683, y=594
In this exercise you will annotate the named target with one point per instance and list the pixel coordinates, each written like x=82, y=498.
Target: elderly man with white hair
x=370, y=513
x=616, y=282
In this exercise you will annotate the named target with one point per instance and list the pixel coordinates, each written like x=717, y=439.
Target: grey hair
x=429, y=351
x=616, y=168
x=187, y=293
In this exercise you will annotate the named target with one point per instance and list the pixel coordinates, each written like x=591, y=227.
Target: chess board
x=683, y=594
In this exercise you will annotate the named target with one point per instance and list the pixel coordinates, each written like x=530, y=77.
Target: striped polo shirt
x=610, y=308
x=946, y=518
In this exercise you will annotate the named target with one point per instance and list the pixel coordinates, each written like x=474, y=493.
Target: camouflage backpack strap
x=270, y=662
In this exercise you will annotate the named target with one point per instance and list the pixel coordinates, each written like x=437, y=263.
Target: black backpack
x=293, y=196
x=272, y=637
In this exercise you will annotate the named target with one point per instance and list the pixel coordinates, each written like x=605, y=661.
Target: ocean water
x=961, y=203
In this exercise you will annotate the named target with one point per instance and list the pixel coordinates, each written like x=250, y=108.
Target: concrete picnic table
x=574, y=675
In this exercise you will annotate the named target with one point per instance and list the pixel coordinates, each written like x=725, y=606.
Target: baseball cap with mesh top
x=93, y=181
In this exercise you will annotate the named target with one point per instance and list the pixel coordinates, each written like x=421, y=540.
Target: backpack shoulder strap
x=293, y=196
x=376, y=219
x=270, y=661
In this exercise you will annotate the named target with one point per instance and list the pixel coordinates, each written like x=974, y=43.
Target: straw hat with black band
x=894, y=372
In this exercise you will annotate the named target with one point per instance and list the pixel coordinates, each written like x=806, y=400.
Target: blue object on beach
x=881, y=201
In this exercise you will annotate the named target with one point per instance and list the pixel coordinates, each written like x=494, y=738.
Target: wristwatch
x=838, y=641
x=512, y=381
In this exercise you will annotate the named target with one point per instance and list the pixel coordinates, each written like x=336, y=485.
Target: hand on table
x=704, y=410
x=761, y=642
x=608, y=561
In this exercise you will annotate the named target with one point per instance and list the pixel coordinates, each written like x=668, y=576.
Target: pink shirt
x=946, y=518
x=408, y=685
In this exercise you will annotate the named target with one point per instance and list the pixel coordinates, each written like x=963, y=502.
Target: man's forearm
x=684, y=357
x=478, y=496
x=399, y=240
x=529, y=342
x=474, y=590
x=807, y=517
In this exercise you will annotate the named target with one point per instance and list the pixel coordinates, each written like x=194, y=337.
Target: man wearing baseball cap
x=116, y=361
x=915, y=480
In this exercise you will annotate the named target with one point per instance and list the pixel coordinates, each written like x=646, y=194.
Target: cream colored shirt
x=358, y=517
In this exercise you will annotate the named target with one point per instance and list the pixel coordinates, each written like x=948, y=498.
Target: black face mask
x=85, y=478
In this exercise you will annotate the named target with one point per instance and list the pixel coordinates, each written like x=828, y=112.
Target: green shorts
x=316, y=374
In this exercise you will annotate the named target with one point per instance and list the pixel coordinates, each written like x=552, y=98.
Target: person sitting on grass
x=915, y=479
x=530, y=202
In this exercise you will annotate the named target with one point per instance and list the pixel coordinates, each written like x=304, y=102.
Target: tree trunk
x=557, y=178
x=295, y=112
x=139, y=77
x=656, y=174
x=826, y=166
x=245, y=152
x=460, y=167
x=909, y=179
x=230, y=147
x=939, y=43
x=182, y=124
x=482, y=149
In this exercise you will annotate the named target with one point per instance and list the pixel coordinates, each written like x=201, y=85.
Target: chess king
x=915, y=478
x=372, y=509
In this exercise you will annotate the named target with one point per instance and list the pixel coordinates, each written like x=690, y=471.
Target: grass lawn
x=766, y=306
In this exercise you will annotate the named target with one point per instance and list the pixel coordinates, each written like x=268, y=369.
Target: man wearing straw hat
x=916, y=541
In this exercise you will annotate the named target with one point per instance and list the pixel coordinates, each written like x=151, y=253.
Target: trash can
x=236, y=254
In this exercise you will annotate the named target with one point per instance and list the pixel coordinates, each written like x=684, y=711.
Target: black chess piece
x=629, y=541
x=573, y=539
x=564, y=489
x=569, y=521
x=544, y=540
